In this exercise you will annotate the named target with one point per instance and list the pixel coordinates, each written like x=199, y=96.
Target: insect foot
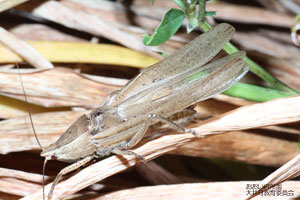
x=197, y=134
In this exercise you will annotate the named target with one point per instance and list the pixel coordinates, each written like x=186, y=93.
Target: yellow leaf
x=79, y=52
x=14, y=108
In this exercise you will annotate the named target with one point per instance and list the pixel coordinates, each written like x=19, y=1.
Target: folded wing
x=193, y=55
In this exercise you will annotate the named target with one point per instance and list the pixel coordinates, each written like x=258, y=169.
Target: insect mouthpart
x=48, y=155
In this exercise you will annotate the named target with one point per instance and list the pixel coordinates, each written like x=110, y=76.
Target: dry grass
x=251, y=133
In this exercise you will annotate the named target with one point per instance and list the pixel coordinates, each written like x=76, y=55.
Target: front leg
x=68, y=169
x=123, y=150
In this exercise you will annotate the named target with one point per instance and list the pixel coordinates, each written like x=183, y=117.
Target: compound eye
x=53, y=157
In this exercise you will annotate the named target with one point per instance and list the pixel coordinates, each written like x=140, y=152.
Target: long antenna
x=44, y=167
x=31, y=121
x=28, y=108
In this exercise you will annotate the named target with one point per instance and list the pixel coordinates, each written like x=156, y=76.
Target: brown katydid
x=154, y=95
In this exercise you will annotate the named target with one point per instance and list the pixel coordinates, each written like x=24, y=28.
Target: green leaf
x=167, y=28
x=210, y=13
x=180, y=4
x=254, y=92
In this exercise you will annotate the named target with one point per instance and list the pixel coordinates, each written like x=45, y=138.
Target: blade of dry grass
x=243, y=146
x=224, y=11
x=89, y=19
x=116, y=12
x=24, y=50
x=247, y=14
x=233, y=100
x=14, y=108
x=272, y=5
x=40, y=32
x=213, y=107
x=107, y=80
x=278, y=111
x=282, y=129
x=17, y=134
x=17, y=187
x=265, y=44
x=287, y=69
x=7, y=4
x=18, y=182
x=10, y=173
x=6, y=196
x=210, y=191
x=83, y=52
x=288, y=171
x=85, y=21
x=55, y=87
x=282, y=111
x=290, y=5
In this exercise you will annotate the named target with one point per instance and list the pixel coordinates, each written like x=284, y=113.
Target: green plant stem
x=254, y=92
x=254, y=67
x=202, y=10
